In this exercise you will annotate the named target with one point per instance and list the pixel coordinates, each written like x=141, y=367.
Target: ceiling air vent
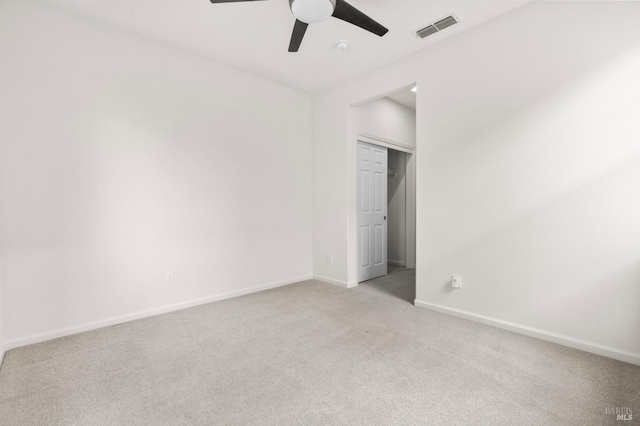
x=426, y=31
x=436, y=26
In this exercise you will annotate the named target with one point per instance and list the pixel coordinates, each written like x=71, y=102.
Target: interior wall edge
x=2, y=351
x=339, y=283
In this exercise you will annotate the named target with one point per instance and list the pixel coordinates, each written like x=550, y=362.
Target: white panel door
x=372, y=211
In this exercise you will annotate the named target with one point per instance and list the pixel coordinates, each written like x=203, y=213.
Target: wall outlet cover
x=456, y=281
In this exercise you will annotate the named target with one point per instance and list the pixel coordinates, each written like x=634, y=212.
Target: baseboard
x=43, y=337
x=396, y=263
x=334, y=282
x=560, y=339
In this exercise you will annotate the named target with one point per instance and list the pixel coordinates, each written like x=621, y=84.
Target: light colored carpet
x=312, y=354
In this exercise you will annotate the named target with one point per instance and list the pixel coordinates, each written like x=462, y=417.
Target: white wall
x=396, y=209
x=528, y=172
x=122, y=159
x=386, y=119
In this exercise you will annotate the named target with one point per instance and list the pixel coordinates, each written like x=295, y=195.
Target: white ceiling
x=254, y=36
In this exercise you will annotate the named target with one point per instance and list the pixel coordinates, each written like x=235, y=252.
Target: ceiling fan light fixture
x=312, y=11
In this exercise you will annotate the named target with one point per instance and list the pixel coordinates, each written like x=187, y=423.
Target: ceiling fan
x=313, y=11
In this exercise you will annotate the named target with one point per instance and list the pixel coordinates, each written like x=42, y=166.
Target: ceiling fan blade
x=230, y=1
x=350, y=14
x=298, y=33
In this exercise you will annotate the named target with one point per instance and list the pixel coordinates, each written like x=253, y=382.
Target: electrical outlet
x=456, y=281
x=170, y=278
x=329, y=258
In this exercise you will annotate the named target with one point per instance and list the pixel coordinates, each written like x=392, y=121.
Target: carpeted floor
x=312, y=354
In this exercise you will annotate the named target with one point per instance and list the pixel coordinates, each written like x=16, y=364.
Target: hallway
x=400, y=283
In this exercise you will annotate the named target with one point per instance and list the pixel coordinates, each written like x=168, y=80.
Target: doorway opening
x=383, y=243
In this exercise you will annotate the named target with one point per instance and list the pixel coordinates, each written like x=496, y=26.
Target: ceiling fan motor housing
x=312, y=11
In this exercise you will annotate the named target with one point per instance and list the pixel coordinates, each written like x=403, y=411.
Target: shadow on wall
x=554, y=192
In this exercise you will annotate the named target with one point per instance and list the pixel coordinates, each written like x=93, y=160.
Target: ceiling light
x=312, y=11
x=342, y=44
x=414, y=89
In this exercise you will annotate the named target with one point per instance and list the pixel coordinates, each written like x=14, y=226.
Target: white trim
x=334, y=282
x=1, y=355
x=385, y=143
x=560, y=339
x=43, y=337
x=396, y=263
x=410, y=214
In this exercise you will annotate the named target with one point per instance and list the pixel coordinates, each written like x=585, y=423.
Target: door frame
x=352, y=246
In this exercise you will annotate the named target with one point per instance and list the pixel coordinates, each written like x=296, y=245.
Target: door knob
x=385, y=218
